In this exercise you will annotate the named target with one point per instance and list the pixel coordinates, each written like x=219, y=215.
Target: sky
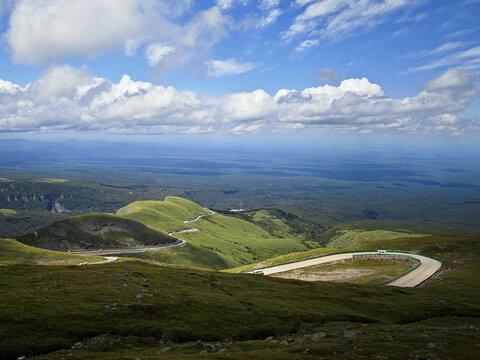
x=305, y=68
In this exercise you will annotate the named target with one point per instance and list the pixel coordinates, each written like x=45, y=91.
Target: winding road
x=199, y=217
x=427, y=268
x=131, y=250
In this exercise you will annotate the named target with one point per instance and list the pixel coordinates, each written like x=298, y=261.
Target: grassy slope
x=222, y=241
x=13, y=252
x=138, y=301
x=348, y=238
x=427, y=244
x=83, y=232
x=7, y=212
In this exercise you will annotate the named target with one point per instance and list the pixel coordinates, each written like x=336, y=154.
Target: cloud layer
x=81, y=102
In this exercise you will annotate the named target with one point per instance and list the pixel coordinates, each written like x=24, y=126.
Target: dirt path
x=426, y=269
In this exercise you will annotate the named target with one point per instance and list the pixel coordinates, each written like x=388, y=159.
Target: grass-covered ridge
x=14, y=252
x=221, y=241
x=94, y=231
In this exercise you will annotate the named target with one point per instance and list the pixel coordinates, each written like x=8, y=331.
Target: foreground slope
x=134, y=310
x=94, y=231
x=220, y=241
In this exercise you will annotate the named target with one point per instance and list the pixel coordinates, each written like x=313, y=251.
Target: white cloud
x=217, y=68
x=270, y=18
x=67, y=98
x=335, y=19
x=156, y=52
x=227, y=4
x=42, y=31
x=447, y=47
x=307, y=44
x=131, y=46
x=469, y=59
x=269, y=4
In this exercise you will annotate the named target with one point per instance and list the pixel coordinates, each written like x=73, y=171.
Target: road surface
x=427, y=268
x=199, y=217
x=180, y=242
x=109, y=259
x=182, y=231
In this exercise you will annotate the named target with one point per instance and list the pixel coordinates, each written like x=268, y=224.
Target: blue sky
x=306, y=67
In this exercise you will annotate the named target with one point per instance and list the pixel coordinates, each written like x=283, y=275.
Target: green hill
x=94, y=231
x=220, y=242
x=13, y=252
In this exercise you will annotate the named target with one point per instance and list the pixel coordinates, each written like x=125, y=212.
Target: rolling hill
x=14, y=252
x=221, y=241
x=94, y=231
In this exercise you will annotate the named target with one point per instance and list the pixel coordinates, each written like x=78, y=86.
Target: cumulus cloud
x=82, y=102
x=216, y=68
x=42, y=31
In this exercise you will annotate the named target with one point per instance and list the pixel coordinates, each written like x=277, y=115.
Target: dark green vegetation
x=37, y=202
x=94, y=231
x=13, y=252
x=428, y=190
x=44, y=309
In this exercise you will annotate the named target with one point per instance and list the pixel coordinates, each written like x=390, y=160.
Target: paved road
x=199, y=217
x=180, y=242
x=182, y=231
x=109, y=259
x=427, y=268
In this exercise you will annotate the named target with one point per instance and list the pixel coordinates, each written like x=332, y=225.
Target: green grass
x=7, y=212
x=222, y=241
x=347, y=238
x=434, y=245
x=14, y=252
x=44, y=309
x=378, y=271
x=94, y=231
x=164, y=215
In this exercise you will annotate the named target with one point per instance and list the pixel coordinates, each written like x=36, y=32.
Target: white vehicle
x=382, y=251
x=257, y=271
